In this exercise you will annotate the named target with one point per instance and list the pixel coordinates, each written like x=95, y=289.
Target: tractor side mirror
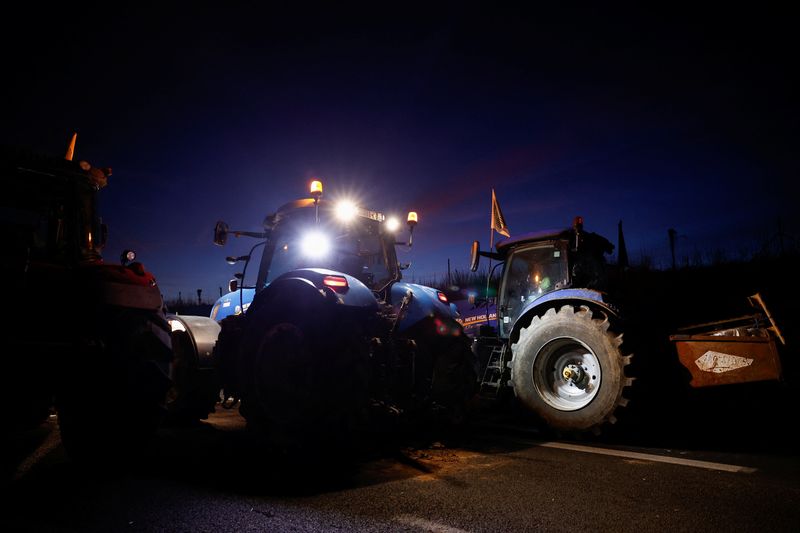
x=220, y=233
x=475, y=257
x=233, y=285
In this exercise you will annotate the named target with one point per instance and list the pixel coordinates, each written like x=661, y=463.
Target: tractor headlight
x=315, y=245
x=346, y=210
x=392, y=224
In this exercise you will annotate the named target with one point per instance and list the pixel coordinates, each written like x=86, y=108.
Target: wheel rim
x=567, y=374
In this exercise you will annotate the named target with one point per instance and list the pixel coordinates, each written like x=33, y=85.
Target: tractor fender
x=307, y=282
x=197, y=334
x=424, y=304
x=557, y=298
x=356, y=295
x=310, y=283
x=232, y=303
x=124, y=286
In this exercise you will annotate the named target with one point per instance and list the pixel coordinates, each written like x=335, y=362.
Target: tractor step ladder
x=495, y=368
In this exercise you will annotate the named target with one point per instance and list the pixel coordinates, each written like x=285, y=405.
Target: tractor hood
x=232, y=304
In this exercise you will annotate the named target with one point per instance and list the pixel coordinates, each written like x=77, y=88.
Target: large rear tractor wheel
x=307, y=379
x=112, y=397
x=567, y=367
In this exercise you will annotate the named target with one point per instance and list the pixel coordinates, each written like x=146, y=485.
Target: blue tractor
x=328, y=337
x=554, y=337
x=558, y=340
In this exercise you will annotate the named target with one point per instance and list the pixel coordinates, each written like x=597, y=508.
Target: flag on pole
x=498, y=222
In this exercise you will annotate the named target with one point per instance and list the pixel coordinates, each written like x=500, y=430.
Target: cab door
x=531, y=271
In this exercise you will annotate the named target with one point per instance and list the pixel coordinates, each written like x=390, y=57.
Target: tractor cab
x=48, y=212
x=313, y=233
x=532, y=269
x=338, y=237
x=540, y=263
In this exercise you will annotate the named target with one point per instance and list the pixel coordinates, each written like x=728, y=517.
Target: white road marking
x=649, y=457
x=427, y=525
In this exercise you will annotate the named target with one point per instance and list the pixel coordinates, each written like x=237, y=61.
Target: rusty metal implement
x=736, y=350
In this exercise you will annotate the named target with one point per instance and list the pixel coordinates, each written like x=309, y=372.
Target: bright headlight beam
x=346, y=210
x=315, y=245
x=392, y=224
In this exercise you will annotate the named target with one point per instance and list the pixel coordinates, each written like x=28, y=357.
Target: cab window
x=532, y=272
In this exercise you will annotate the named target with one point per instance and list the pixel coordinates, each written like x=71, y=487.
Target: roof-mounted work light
x=392, y=224
x=346, y=210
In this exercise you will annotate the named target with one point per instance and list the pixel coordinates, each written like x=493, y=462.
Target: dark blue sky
x=673, y=118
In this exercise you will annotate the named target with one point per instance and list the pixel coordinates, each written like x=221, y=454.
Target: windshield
x=530, y=273
x=36, y=217
x=357, y=249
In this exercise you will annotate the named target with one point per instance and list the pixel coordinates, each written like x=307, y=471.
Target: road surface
x=498, y=477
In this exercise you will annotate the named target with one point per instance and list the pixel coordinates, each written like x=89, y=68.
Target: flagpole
x=497, y=224
x=489, y=274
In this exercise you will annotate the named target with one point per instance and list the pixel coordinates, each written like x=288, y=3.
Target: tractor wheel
x=307, y=380
x=568, y=368
x=194, y=393
x=112, y=397
x=454, y=378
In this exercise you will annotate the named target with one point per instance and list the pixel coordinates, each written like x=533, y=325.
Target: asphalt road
x=500, y=475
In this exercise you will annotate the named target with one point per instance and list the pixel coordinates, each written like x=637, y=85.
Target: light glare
x=315, y=245
x=392, y=224
x=346, y=210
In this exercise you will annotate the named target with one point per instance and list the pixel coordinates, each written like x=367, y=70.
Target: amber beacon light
x=316, y=189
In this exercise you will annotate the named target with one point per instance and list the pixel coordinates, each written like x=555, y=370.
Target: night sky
x=671, y=118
